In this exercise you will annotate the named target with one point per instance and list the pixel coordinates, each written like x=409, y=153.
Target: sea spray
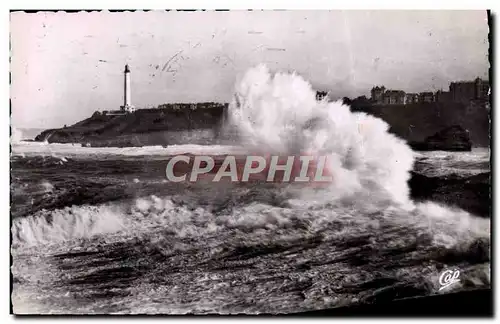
x=279, y=113
x=155, y=217
x=16, y=135
x=46, y=227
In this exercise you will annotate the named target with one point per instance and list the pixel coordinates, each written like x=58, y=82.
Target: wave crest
x=47, y=227
x=280, y=114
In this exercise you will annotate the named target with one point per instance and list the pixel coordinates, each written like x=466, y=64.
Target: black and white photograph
x=249, y=162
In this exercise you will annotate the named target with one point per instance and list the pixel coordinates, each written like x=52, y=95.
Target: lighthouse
x=127, y=101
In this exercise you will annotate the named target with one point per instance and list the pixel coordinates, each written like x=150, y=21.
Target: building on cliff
x=377, y=94
x=466, y=91
x=412, y=98
x=381, y=95
x=394, y=97
x=462, y=91
x=427, y=96
x=459, y=92
x=482, y=89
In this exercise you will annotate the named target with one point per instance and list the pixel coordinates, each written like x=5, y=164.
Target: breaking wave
x=447, y=227
x=16, y=135
x=280, y=114
x=46, y=227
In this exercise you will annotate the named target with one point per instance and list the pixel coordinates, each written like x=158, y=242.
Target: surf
x=278, y=113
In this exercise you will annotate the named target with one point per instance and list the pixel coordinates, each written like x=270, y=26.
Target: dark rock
x=453, y=138
x=415, y=121
x=346, y=101
x=472, y=193
x=170, y=124
x=477, y=302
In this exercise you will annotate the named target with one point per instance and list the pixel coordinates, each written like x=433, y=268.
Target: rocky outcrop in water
x=453, y=138
x=472, y=193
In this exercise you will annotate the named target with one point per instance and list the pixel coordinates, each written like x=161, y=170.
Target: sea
x=102, y=231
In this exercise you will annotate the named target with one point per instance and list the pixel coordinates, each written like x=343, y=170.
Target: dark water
x=107, y=234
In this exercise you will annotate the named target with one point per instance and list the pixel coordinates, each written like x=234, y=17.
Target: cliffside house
x=427, y=96
x=377, y=94
x=465, y=91
x=394, y=97
x=460, y=92
x=482, y=89
x=412, y=98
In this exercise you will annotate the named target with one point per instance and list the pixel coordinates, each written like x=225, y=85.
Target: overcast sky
x=66, y=66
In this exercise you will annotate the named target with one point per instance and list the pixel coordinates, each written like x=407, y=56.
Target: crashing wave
x=65, y=224
x=280, y=114
x=16, y=135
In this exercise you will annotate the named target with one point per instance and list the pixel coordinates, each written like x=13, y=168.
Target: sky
x=65, y=66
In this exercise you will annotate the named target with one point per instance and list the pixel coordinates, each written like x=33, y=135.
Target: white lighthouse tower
x=127, y=101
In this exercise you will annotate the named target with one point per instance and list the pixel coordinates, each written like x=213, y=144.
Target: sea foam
x=279, y=113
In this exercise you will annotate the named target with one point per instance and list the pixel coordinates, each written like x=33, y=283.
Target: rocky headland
x=426, y=126
x=169, y=124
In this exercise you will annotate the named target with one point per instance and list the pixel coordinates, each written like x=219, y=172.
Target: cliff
x=201, y=123
x=170, y=124
x=417, y=122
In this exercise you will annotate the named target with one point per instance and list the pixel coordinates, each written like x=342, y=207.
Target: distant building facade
x=482, y=89
x=412, y=98
x=381, y=95
x=465, y=91
x=377, y=94
x=461, y=92
x=427, y=96
x=395, y=97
